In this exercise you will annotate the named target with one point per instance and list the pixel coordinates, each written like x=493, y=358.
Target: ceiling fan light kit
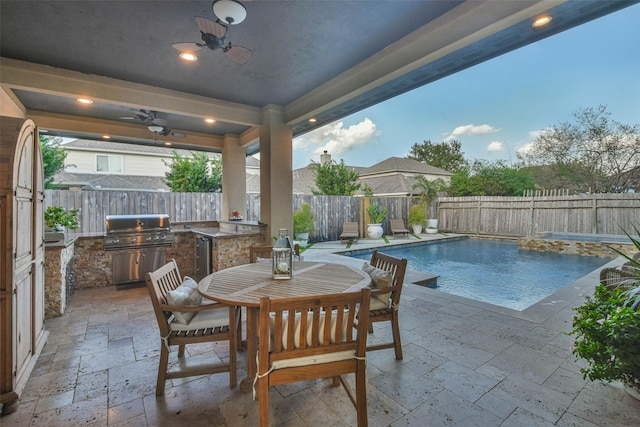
x=230, y=12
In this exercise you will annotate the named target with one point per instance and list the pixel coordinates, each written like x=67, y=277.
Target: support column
x=276, y=187
x=234, y=177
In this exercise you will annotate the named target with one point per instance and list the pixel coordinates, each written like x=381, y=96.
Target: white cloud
x=471, y=130
x=525, y=149
x=495, y=147
x=336, y=139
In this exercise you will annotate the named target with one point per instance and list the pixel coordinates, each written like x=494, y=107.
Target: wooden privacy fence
x=331, y=212
x=507, y=216
x=525, y=216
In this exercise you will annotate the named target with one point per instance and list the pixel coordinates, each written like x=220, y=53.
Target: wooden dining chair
x=305, y=338
x=258, y=253
x=385, y=300
x=183, y=319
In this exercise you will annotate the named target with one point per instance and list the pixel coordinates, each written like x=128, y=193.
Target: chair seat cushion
x=185, y=294
x=212, y=318
x=379, y=279
x=313, y=360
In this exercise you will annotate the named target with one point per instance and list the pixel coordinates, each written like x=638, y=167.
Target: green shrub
x=303, y=220
x=57, y=217
x=418, y=215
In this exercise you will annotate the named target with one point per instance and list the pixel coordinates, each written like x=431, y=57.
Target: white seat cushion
x=313, y=360
x=204, y=319
x=186, y=294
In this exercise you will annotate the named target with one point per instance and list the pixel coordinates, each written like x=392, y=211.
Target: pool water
x=495, y=272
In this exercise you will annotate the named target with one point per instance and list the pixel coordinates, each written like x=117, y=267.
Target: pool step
x=420, y=278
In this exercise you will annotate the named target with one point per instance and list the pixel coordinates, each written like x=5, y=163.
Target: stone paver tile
x=565, y=381
x=405, y=387
x=498, y=407
x=532, y=365
x=601, y=408
x=462, y=381
x=106, y=359
x=541, y=401
x=126, y=411
x=50, y=384
x=54, y=401
x=522, y=418
x=88, y=412
x=447, y=409
x=91, y=386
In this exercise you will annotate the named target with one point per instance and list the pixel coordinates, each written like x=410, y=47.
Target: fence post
x=594, y=215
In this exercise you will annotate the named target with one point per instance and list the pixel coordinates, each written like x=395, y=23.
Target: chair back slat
x=159, y=283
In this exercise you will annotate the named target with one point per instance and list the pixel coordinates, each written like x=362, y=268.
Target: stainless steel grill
x=138, y=245
x=137, y=231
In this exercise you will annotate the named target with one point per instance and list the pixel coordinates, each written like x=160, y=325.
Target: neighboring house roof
x=95, y=181
x=389, y=185
x=402, y=165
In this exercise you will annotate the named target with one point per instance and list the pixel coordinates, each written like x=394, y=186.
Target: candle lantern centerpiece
x=282, y=254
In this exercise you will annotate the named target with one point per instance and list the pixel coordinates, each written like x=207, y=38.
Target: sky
x=495, y=109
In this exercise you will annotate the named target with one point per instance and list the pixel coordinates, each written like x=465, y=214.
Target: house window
x=109, y=164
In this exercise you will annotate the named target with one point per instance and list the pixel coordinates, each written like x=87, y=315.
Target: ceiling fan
x=165, y=131
x=213, y=34
x=155, y=124
x=147, y=117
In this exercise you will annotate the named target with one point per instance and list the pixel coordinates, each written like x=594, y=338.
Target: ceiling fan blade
x=178, y=134
x=129, y=118
x=211, y=27
x=238, y=54
x=187, y=47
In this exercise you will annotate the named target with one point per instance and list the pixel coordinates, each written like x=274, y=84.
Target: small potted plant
x=417, y=218
x=377, y=214
x=303, y=224
x=58, y=218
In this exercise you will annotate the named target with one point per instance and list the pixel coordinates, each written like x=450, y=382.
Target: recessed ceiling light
x=43, y=131
x=106, y=136
x=541, y=21
x=210, y=121
x=313, y=120
x=84, y=101
x=167, y=143
x=188, y=56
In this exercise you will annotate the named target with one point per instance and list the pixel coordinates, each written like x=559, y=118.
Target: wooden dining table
x=244, y=285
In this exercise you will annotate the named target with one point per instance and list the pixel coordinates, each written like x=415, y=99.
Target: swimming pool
x=495, y=272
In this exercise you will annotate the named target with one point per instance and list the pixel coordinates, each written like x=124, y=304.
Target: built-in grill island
x=138, y=244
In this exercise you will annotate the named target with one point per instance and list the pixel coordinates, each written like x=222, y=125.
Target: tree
x=335, y=179
x=484, y=178
x=53, y=157
x=594, y=145
x=427, y=190
x=447, y=156
x=195, y=174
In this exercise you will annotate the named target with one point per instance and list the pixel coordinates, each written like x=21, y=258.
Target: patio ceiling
x=320, y=59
